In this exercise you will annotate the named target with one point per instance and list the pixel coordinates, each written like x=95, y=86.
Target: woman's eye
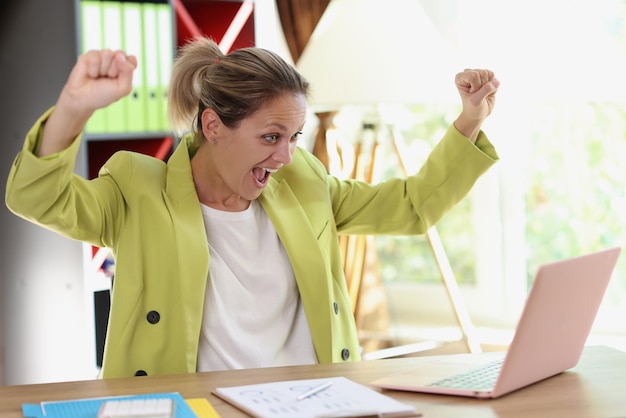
x=296, y=136
x=271, y=138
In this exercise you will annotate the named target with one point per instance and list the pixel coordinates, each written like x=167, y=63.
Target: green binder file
x=115, y=113
x=166, y=56
x=91, y=36
x=151, y=65
x=132, y=31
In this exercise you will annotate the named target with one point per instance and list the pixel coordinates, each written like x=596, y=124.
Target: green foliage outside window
x=575, y=193
x=576, y=200
x=410, y=258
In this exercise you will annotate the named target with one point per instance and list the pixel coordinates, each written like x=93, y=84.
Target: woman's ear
x=210, y=123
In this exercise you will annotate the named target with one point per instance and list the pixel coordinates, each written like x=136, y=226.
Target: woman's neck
x=210, y=188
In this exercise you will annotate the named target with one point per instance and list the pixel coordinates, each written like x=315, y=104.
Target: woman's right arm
x=41, y=185
x=98, y=79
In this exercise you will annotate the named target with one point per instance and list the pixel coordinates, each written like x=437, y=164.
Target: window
x=560, y=187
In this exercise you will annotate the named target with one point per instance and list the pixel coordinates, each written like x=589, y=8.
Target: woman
x=227, y=255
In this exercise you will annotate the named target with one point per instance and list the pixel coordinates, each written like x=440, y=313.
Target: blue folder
x=88, y=408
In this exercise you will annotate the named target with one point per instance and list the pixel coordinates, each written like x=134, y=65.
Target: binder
x=165, y=39
x=91, y=36
x=151, y=65
x=132, y=37
x=115, y=113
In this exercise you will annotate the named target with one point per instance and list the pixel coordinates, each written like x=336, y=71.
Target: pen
x=366, y=414
x=314, y=390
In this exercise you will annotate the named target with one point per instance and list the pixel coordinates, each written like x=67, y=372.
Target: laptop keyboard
x=482, y=378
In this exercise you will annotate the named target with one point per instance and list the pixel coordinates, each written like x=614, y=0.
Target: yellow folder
x=202, y=408
x=91, y=36
x=132, y=32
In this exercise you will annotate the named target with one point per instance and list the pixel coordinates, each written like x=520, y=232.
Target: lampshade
x=373, y=52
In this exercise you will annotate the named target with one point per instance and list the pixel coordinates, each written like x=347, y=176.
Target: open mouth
x=262, y=175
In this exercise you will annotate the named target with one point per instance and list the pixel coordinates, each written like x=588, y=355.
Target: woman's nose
x=284, y=152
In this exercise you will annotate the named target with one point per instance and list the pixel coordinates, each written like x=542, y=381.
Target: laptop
x=549, y=338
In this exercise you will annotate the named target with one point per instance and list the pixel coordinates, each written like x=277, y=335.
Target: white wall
x=41, y=303
x=269, y=35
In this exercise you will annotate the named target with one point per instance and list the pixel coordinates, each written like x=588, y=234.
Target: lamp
x=372, y=53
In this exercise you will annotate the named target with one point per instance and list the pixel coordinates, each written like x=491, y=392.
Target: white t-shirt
x=253, y=314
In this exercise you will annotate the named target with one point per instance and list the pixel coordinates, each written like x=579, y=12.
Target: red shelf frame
x=229, y=23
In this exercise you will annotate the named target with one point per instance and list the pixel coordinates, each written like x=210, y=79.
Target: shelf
x=99, y=152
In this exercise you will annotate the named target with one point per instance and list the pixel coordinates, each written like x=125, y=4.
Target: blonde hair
x=235, y=85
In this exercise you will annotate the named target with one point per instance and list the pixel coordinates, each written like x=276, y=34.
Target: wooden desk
x=596, y=387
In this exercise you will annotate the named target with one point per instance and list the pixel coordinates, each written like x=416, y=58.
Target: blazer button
x=141, y=373
x=336, y=308
x=345, y=354
x=153, y=317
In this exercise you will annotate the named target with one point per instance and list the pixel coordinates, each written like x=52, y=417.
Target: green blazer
x=147, y=212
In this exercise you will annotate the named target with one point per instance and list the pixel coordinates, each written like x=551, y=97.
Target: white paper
x=342, y=398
